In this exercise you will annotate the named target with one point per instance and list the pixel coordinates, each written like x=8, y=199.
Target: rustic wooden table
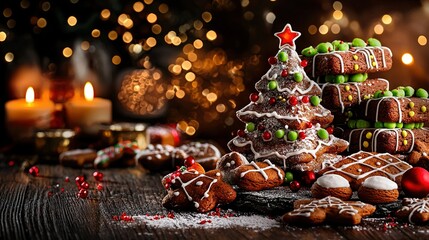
x=46, y=207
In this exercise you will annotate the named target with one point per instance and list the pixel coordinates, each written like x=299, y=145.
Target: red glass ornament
x=330, y=130
x=308, y=177
x=98, y=176
x=284, y=73
x=294, y=186
x=241, y=133
x=293, y=101
x=309, y=125
x=272, y=60
x=304, y=63
x=305, y=99
x=254, y=97
x=34, y=171
x=272, y=100
x=84, y=185
x=83, y=193
x=415, y=182
x=301, y=135
x=266, y=135
x=189, y=161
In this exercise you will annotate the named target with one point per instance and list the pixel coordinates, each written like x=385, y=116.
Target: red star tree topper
x=287, y=36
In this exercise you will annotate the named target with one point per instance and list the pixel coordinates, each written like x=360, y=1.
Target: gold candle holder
x=52, y=142
x=114, y=133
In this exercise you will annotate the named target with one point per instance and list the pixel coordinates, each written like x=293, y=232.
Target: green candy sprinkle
x=272, y=85
x=362, y=124
x=280, y=133
x=409, y=91
x=409, y=125
x=422, y=93
x=357, y=77
x=315, y=100
x=250, y=126
x=323, y=134
x=351, y=123
x=374, y=42
x=282, y=56
x=292, y=135
x=340, y=79
x=378, y=125
x=309, y=51
x=358, y=42
x=387, y=93
x=399, y=125
x=288, y=177
x=389, y=125
x=298, y=77
x=322, y=48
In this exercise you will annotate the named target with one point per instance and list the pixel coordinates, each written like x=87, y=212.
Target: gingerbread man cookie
x=160, y=157
x=228, y=165
x=328, y=210
x=257, y=176
x=415, y=210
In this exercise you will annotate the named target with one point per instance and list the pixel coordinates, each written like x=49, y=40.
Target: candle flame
x=88, y=91
x=29, y=95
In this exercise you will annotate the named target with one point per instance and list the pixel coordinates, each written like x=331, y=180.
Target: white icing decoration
x=199, y=183
x=176, y=193
x=201, y=149
x=262, y=170
x=218, y=174
x=333, y=181
x=416, y=205
x=228, y=165
x=396, y=99
x=379, y=183
x=346, y=208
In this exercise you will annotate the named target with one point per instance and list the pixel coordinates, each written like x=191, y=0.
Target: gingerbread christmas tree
x=285, y=121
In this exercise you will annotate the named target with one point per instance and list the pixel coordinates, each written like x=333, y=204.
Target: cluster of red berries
x=307, y=178
x=123, y=217
x=83, y=186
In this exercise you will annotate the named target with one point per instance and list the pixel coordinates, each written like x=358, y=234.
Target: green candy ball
x=389, y=125
x=330, y=78
x=378, y=125
x=395, y=92
x=280, y=133
x=315, y=100
x=322, y=48
x=292, y=135
x=365, y=76
x=399, y=125
x=250, y=126
x=357, y=77
x=351, y=123
x=409, y=125
x=282, y=56
x=298, y=77
x=409, y=91
x=401, y=93
x=418, y=125
x=358, y=42
x=346, y=77
x=387, y=93
x=309, y=51
x=340, y=79
x=377, y=94
x=335, y=43
x=272, y=85
x=323, y=134
x=422, y=93
x=330, y=46
x=342, y=47
x=374, y=42
x=362, y=124
x=288, y=177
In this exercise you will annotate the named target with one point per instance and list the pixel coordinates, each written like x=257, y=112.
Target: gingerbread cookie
x=257, y=176
x=78, y=158
x=332, y=185
x=377, y=190
x=228, y=164
x=359, y=166
x=192, y=190
x=160, y=157
x=121, y=154
x=319, y=163
x=327, y=210
x=420, y=155
x=205, y=154
x=415, y=210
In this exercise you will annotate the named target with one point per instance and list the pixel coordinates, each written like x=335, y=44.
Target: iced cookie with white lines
x=228, y=165
x=205, y=154
x=414, y=210
x=257, y=176
x=160, y=157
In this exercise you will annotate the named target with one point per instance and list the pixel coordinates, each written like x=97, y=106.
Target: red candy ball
x=304, y=63
x=83, y=193
x=294, y=186
x=309, y=125
x=415, y=182
x=79, y=180
x=189, y=161
x=301, y=135
x=272, y=60
x=272, y=100
x=34, y=171
x=98, y=176
x=305, y=99
x=330, y=130
x=254, y=97
x=293, y=101
x=241, y=133
x=284, y=73
x=266, y=135
x=308, y=177
x=99, y=187
x=84, y=185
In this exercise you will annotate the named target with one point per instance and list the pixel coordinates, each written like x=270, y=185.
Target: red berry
x=330, y=130
x=293, y=101
x=261, y=127
x=34, y=170
x=301, y=135
x=84, y=185
x=304, y=63
x=99, y=187
x=254, y=97
x=241, y=133
x=305, y=99
x=167, y=186
x=98, y=176
x=309, y=125
x=272, y=100
x=11, y=163
x=294, y=186
x=83, y=193
x=284, y=73
x=66, y=179
x=168, y=180
x=266, y=136
x=50, y=194
x=189, y=161
x=308, y=177
x=272, y=60
x=79, y=180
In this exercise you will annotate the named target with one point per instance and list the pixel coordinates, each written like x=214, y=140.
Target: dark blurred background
x=191, y=62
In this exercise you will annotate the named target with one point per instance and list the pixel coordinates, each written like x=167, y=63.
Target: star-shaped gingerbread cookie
x=415, y=210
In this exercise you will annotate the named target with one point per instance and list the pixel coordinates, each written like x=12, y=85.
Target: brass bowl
x=114, y=133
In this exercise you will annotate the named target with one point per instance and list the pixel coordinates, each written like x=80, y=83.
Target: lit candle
x=85, y=112
x=23, y=116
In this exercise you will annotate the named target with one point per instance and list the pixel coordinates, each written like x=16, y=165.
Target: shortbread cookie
x=228, y=165
x=332, y=185
x=377, y=190
x=329, y=210
x=359, y=166
x=205, y=154
x=160, y=157
x=414, y=210
x=257, y=176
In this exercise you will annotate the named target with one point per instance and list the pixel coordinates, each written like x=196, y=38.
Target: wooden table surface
x=46, y=207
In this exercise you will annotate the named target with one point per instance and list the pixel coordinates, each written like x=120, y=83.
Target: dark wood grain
x=27, y=211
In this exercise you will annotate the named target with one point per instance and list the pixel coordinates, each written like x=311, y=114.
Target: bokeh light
x=407, y=58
